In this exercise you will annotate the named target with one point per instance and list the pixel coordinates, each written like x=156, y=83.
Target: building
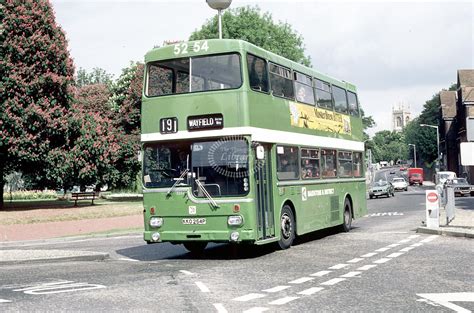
x=400, y=117
x=456, y=106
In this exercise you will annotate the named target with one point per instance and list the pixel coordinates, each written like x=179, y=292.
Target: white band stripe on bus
x=262, y=135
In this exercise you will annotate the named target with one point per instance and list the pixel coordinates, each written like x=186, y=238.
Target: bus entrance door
x=263, y=181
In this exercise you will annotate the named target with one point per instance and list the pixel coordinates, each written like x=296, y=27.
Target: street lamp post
x=414, y=151
x=437, y=138
x=219, y=5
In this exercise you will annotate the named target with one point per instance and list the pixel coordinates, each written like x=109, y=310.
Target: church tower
x=400, y=116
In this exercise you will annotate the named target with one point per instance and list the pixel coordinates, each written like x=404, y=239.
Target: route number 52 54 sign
x=184, y=48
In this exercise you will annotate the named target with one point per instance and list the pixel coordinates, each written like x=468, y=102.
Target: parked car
x=400, y=183
x=381, y=188
x=461, y=186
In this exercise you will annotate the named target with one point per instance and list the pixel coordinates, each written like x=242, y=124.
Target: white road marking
x=277, y=289
x=407, y=249
x=368, y=255
x=220, y=308
x=202, y=287
x=430, y=238
x=248, y=297
x=333, y=281
x=186, y=272
x=63, y=282
x=385, y=214
x=256, y=310
x=338, y=266
x=416, y=244
x=39, y=290
x=300, y=280
x=310, y=291
x=284, y=300
x=355, y=260
x=383, y=249
x=382, y=260
x=393, y=245
x=129, y=260
x=366, y=267
x=320, y=273
x=395, y=255
x=404, y=240
x=350, y=274
x=4, y=301
x=445, y=299
x=414, y=236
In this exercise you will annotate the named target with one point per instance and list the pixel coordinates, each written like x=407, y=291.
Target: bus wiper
x=180, y=178
x=204, y=191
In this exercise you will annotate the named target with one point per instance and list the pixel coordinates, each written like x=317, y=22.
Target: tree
x=96, y=76
x=249, y=24
x=389, y=146
x=36, y=75
x=425, y=137
x=367, y=122
x=126, y=104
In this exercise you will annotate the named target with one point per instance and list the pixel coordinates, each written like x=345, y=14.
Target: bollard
x=449, y=205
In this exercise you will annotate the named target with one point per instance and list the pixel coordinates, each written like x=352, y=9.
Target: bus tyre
x=347, y=218
x=195, y=247
x=287, y=227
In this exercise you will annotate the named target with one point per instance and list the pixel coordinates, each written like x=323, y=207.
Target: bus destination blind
x=203, y=122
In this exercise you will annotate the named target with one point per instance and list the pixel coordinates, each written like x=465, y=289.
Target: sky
x=395, y=52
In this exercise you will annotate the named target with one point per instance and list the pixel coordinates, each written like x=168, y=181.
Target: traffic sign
x=432, y=197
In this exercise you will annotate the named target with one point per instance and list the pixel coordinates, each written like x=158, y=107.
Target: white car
x=400, y=184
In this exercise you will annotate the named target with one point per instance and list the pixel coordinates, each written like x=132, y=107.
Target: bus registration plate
x=194, y=221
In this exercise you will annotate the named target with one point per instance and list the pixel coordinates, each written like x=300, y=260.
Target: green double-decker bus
x=241, y=145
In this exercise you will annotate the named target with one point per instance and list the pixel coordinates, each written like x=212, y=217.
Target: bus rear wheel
x=195, y=247
x=287, y=227
x=347, y=218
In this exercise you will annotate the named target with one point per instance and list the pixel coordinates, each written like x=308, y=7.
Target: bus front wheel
x=347, y=222
x=195, y=247
x=287, y=227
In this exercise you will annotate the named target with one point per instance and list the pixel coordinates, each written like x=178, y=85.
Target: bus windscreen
x=195, y=74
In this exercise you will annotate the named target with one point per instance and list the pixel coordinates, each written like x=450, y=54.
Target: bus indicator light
x=236, y=208
x=152, y=211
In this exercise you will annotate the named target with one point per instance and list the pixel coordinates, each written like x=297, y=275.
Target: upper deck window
x=353, y=105
x=340, y=99
x=281, y=81
x=203, y=73
x=258, y=74
x=323, y=94
x=304, y=88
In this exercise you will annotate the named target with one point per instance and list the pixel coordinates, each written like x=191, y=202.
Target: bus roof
x=215, y=46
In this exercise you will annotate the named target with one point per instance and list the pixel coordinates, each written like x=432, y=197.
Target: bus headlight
x=156, y=221
x=235, y=220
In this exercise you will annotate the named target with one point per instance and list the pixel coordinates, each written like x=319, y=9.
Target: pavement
x=16, y=240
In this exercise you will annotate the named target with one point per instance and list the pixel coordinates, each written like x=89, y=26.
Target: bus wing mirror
x=260, y=151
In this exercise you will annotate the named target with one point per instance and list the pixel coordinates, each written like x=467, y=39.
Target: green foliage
x=249, y=24
x=31, y=195
x=96, y=76
x=425, y=140
x=367, y=122
x=126, y=104
x=389, y=146
x=425, y=137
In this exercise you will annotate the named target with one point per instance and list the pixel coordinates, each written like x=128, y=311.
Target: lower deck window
x=287, y=160
x=328, y=163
